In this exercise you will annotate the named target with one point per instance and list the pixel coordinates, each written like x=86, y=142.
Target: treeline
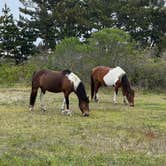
x=110, y=47
x=80, y=34
x=52, y=21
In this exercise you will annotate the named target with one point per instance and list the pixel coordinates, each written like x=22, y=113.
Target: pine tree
x=56, y=19
x=16, y=42
x=8, y=34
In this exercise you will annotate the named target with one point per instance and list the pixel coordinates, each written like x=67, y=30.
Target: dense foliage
x=82, y=34
x=109, y=47
x=144, y=20
x=16, y=40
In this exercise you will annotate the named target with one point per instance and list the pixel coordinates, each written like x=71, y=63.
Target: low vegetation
x=111, y=135
x=108, y=47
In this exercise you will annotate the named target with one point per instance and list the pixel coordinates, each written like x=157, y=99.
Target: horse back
x=53, y=81
x=99, y=72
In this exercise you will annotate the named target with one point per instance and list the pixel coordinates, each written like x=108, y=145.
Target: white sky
x=13, y=5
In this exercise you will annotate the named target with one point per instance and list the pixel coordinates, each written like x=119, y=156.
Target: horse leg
x=33, y=98
x=96, y=97
x=63, y=105
x=43, y=108
x=67, y=111
x=124, y=97
x=115, y=94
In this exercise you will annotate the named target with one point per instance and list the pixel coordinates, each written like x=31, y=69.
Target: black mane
x=66, y=71
x=125, y=83
x=81, y=93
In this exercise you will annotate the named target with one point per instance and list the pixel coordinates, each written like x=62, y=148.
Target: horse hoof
x=125, y=103
x=63, y=111
x=96, y=100
x=85, y=114
x=43, y=110
x=69, y=114
x=30, y=109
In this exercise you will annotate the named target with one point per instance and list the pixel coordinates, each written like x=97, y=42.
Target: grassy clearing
x=112, y=135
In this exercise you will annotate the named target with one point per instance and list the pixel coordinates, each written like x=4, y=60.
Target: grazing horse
x=116, y=77
x=59, y=81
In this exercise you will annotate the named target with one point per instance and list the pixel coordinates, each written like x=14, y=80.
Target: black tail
x=125, y=83
x=33, y=91
x=33, y=97
x=92, y=87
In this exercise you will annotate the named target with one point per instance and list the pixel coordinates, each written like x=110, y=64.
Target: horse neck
x=81, y=93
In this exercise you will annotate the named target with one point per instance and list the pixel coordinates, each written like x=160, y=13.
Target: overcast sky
x=13, y=5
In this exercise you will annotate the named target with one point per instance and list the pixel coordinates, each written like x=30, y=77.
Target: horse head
x=83, y=99
x=130, y=97
x=84, y=106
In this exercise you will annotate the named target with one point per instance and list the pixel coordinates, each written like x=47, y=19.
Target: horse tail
x=125, y=83
x=34, y=90
x=92, y=87
x=33, y=96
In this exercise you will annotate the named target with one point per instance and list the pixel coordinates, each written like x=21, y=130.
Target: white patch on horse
x=63, y=105
x=114, y=98
x=124, y=100
x=43, y=107
x=113, y=76
x=74, y=79
x=30, y=108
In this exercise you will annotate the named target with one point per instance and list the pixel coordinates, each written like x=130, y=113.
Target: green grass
x=112, y=134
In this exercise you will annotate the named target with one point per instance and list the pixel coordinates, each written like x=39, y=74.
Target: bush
x=110, y=47
x=11, y=74
x=71, y=54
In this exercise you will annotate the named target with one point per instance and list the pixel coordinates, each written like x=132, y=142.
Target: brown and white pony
x=116, y=77
x=59, y=81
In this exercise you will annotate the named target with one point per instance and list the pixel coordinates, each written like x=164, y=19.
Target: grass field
x=112, y=134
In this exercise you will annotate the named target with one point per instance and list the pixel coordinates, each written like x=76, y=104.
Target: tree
x=111, y=47
x=8, y=34
x=144, y=20
x=55, y=20
x=15, y=42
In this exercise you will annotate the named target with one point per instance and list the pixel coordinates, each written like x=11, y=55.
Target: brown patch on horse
x=98, y=73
